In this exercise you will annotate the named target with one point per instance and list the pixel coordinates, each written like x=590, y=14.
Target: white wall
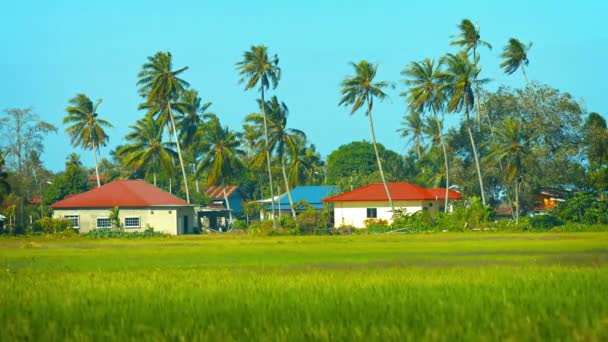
x=355, y=213
x=163, y=219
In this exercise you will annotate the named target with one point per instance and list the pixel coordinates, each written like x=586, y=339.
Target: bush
x=51, y=225
x=312, y=221
x=544, y=222
x=583, y=208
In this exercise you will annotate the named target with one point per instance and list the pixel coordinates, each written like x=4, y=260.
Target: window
x=372, y=212
x=104, y=222
x=132, y=222
x=75, y=219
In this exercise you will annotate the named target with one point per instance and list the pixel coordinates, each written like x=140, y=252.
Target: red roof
x=218, y=191
x=36, y=200
x=121, y=193
x=400, y=191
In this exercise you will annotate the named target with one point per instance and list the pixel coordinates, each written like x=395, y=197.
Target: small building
x=370, y=201
x=141, y=205
x=234, y=194
x=304, y=197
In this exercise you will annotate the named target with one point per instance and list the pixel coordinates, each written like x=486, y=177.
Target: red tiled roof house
x=141, y=205
x=370, y=201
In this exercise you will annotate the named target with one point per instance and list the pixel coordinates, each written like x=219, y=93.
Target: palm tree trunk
x=293, y=210
x=227, y=205
x=371, y=126
x=179, y=152
x=523, y=70
x=155, y=178
x=96, y=167
x=483, y=196
x=517, y=204
x=445, y=158
x=274, y=221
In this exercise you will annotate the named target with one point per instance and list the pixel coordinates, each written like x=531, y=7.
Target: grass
x=376, y=287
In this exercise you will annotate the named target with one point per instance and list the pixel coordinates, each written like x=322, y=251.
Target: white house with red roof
x=370, y=201
x=141, y=205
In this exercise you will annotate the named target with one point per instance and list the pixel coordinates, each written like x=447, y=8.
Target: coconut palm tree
x=281, y=139
x=223, y=156
x=5, y=187
x=257, y=69
x=146, y=150
x=306, y=165
x=469, y=38
x=510, y=146
x=193, y=111
x=515, y=56
x=360, y=90
x=427, y=93
x=86, y=129
x=461, y=75
x=412, y=127
x=161, y=86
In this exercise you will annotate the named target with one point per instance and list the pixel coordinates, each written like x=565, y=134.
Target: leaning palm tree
x=510, y=146
x=223, y=156
x=161, y=86
x=413, y=128
x=86, y=129
x=281, y=139
x=515, y=56
x=146, y=150
x=460, y=76
x=359, y=90
x=427, y=93
x=259, y=69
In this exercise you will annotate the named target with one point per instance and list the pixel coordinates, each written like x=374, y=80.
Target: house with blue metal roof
x=302, y=196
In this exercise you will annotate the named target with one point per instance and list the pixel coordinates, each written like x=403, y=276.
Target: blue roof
x=313, y=194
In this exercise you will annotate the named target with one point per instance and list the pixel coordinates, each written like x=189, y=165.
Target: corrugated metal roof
x=313, y=194
x=121, y=193
x=400, y=191
x=218, y=191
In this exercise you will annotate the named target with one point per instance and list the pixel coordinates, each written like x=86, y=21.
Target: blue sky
x=53, y=50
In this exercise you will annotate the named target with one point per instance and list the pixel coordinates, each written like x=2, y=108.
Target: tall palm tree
x=469, y=38
x=461, y=76
x=359, y=90
x=306, y=166
x=146, y=150
x=515, y=56
x=161, y=86
x=413, y=128
x=426, y=93
x=193, y=111
x=281, y=139
x=259, y=69
x=86, y=129
x=223, y=156
x=510, y=145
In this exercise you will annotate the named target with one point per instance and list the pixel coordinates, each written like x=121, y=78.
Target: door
x=185, y=224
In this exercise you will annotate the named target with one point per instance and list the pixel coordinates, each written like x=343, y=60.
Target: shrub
x=51, y=225
x=583, y=208
x=544, y=222
x=312, y=221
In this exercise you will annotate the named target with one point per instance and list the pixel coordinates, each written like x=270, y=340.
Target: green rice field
x=433, y=287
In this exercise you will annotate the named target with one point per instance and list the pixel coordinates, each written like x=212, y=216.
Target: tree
x=461, y=76
x=161, y=86
x=413, y=127
x=426, y=93
x=281, y=139
x=24, y=132
x=5, y=187
x=146, y=150
x=223, y=156
x=515, y=56
x=469, y=38
x=73, y=180
x=86, y=130
x=595, y=147
x=359, y=90
x=258, y=69
x=510, y=146
x=306, y=166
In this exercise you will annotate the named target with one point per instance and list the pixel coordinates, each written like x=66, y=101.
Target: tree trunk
x=274, y=220
x=154, y=178
x=517, y=204
x=96, y=167
x=179, y=152
x=523, y=70
x=483, y=196
x=293, y=210
x=227, y=205
x=371, y=126
x=445, y=158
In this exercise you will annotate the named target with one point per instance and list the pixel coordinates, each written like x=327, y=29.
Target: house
x=303, y=197
x=234, y=194
x=141, y=205
x=370, y=201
